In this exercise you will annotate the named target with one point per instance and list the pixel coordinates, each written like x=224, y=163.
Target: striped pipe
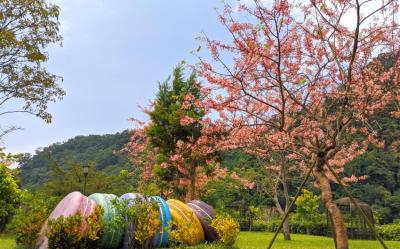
x=205, y=213
x=112, y=235
x=180, y=212
x=71, y=204
x=161, y=239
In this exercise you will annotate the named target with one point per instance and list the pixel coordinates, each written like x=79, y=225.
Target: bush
x=314, y=229
x=295, y=227
x=181, y=230
x=227, y=228
x=148, y=221
x=143, y=216
x=10, y=193
x=260, y=225
x=389, y=231
x=308, y=211
x=264, y=226
x=29, y=218
x=68, y=232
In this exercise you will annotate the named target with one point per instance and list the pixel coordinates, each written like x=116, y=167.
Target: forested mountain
x=381, y=189
x=93, y=149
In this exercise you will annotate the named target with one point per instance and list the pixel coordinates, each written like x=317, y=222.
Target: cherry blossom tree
x=253, y=139
x=305, y=76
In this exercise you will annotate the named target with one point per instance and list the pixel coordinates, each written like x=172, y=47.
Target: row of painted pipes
x=197, y=214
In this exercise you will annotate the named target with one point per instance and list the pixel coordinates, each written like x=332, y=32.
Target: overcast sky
x=113, y=55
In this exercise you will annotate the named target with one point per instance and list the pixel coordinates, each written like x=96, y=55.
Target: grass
x=7, y=241
x=255, y=240
x=258, y=240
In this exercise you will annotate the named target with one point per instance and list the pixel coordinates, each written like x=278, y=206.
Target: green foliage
x=30, y=216
x=166, y=129
x=389, y=231
x=61, y=182
x=227, y=228
x=76, y=231
x=180, y=229
x=308, y=210
x=220, y=193
x=53, y=161
x=10, y=193
x=28, y=27
x=261, y=225
x=144, y=216
x=381, y=189
x=318, y=228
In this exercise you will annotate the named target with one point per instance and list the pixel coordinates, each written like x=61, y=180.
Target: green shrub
x=10, y=193
x=67, y=232
x=319, y=228
x=295, y=227
x=389, y=231
x=259, y=225
x=144, y=216
x=29, y=218
x=308, y=211
x=265, y=226
x=180, y=229
x=227, y=228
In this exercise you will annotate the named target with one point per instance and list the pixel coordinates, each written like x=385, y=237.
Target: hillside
x=381, y=189
x=97, y=149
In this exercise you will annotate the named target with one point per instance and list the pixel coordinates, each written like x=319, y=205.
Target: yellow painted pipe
x=182, y=214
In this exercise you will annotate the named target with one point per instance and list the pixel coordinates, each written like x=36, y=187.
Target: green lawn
x=255, y=240
x=7, y=241
x=258, y=240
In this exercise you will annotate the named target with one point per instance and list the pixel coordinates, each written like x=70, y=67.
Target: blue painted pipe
x=161, y=239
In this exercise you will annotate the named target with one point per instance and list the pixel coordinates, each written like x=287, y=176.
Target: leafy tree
x=308, y=211
x=27, y=27
x=166, y=128
x=175, y=149
x=10, y=193
x=285, y=84
x=381, y=187
x=63, y=180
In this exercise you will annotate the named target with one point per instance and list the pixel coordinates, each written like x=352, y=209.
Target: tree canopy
x=10, y=193
x=27, y=28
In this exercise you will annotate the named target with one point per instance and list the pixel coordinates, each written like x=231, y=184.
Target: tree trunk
x=286, y=230
x=192, y=188
x=308, y=230
x=334, y=211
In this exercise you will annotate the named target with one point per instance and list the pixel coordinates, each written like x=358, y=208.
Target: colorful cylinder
x=112, y=235
x=181, y=214
x=205, y=213
x=129, y=237
x=161, y=239
x=71, y=204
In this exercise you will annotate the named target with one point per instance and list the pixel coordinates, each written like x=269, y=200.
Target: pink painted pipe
x=72, y=204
